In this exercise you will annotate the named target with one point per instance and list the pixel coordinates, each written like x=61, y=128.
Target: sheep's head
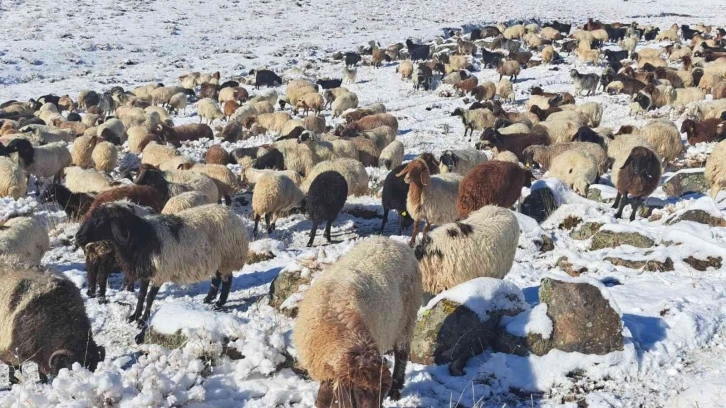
x=305, y=137
x=539, y=112
x=89, y=354
x=489, y=138
x=24, y=149
x=431, y=162
x=574, y=73
x=111, y=221
x=364, y=380
x=528, y=156
x=457, y=112
x=416, y=172
x=688, y=127
x=449, y=161
x=555, y=100
x=721, y=131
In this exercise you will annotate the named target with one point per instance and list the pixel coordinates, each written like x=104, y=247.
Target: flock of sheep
x=162, y=221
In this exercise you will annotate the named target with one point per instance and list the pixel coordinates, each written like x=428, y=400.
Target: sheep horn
x=57, y=354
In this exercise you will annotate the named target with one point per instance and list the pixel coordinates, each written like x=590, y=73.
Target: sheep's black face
x=107, y=222
x=457, y=112
x=574, y=73
x=23, y=148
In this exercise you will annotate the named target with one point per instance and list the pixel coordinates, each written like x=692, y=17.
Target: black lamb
x=267, y=78
x=273, y=159
x=329, y=83
x=326, y=197
x=75, y=205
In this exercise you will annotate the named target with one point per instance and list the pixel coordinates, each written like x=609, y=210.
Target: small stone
x=612, y=239
x=703, y=264
x=648, y=265
x=699, y=216
x=283, y=286
x=686, y=181
x=586, y=230
x=567, y=266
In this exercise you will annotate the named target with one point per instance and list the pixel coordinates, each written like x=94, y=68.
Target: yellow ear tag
x=403, y=213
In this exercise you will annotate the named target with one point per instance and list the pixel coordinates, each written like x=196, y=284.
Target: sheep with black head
x=637, y=177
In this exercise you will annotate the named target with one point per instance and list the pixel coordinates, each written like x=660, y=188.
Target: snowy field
x=674, y=321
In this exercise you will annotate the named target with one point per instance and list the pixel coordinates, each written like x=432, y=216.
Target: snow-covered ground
x=674, y=321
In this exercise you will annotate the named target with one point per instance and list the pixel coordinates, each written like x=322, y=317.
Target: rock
x=595, y=194
x=546, y=245
x=565, y=264
x=686, y=181
x=450, y=332
x=648, y=265
x=283, y=286
x=255, y=257
x=586, y=230
x=703, y=265
x=540, y=204
x=338, y=56
x=699, y=216
x=612, y=239
x=570, y=222
x=583, y=321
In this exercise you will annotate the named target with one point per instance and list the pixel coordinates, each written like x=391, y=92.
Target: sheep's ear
x=120, y=234
x=403, y=172
x=425, y=178
x=627, y=162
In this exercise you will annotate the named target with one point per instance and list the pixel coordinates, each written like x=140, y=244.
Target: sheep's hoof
x=139, y=339
x=394, y=395
x=132, y=318
x=102, y=300
x=218, y=306
x=91, y=294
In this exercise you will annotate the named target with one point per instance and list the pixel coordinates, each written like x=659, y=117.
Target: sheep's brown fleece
x=217, y=155
x=700, y=132
x=492, y=183
x=192, y=131
x=640, y=174
x=515, y=143
x=373, y=121
x=142, y=195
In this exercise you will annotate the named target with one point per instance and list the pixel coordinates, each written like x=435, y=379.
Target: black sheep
x=393, y=197
x=326, y=197
x=615, y=56
x=91, y=99
x=74, y=117
x=229, y=84
x=417, y=52
x=329, y=83
x=562, y=28
x=475, y=34
x=271, y=160
x=651, y=34
x=267, y=78
x=490, y=59
x=50, y=98
x=615, y=34
x=75, y=205
x=351, y=59
x=639, y=176
x=585, y=134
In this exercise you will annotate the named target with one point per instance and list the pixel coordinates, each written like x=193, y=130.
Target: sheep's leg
x=399, y=372
x=270, y=221
x=43, y=377
x=257, y=221
x=227, y=200
x=427, y=227
x=327, y=230
x=326, y=395
x=213, y=288
x=149, y=301
x=634, y=204
x=224, y=294
x=621, y=206
x=414, y=233
x=11, y=374
x=313, y=230
x=102, y=278
x=91, y=275
x=143, y=288
x=617, y=200
x=385, y=219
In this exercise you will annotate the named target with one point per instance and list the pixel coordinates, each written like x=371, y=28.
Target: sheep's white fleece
x=24, y=239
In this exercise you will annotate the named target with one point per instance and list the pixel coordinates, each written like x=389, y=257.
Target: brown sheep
x=492, y=183
x=521, y=57
x=232, y=131
x=378, y=57
x=208, y=91
x=141, y=195
x=229, y=108
x=357, y=114
x=315, y=124
x=719, y=90
x=217, y=155
x=193, y=131
x=466, y=85
x=65, y=103
x=368, y=123
x=100, y=262
x=638, y=177
x=484, y=92
x=542, y=114
x=701, y=132
x=94, y=109
x=515, y=143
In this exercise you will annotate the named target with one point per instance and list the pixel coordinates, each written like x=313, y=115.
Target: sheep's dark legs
x=257, y=221
x=617, y=200
x=385, y=219
x=143, y=288
x=327, y=230
x=313, y=230
x=224, y=294
x=399, y=372
x=427, y=227
x=414, y=233
x=213, y=288
x=91, y=275
x=11, y=374
x=43, y=378
x=149, y=301
x=621, y=206
x=270, y=227
x=634, y=204
x=227, y=200
x=326, y=395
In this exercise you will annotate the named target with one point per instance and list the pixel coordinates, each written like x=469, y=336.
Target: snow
x=482, y=296
x=533, y=321
x=673, y=321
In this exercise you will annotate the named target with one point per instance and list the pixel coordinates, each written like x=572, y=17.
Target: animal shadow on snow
x=647, y=331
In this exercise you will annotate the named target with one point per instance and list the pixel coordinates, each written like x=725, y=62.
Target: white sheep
x=360, y=308
x=381, y=136
x=273, y=122
x=252, y=175
x=352, y=171
x=391, y=156
x=80, y=180
x=716, y=169
x=82, y=150
x=162, y=95
x=560, y=131
x=24, y=239
x=505, y=90
x=175, y=162
x=196, y=181
x=506, y=156
x=184, y=248
x=105, y=157
x=223, y=177
x=571, y=115
x=628, y=44
x=274, y=194
x=344, y=102
x=299, y=157
x=514, y=32
x=185, y=201
x=431, y=198
x=482, y=245
x=155, y=154
x=592, y=111
x=268, y=95
x=115, y=125
x=178, y=102
x=575, y=168
x=475, y=119
x=664, y=137
x=208, y=110
x=461, y=161
x=309, y=102
x=41, y=161
x=13, y=180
